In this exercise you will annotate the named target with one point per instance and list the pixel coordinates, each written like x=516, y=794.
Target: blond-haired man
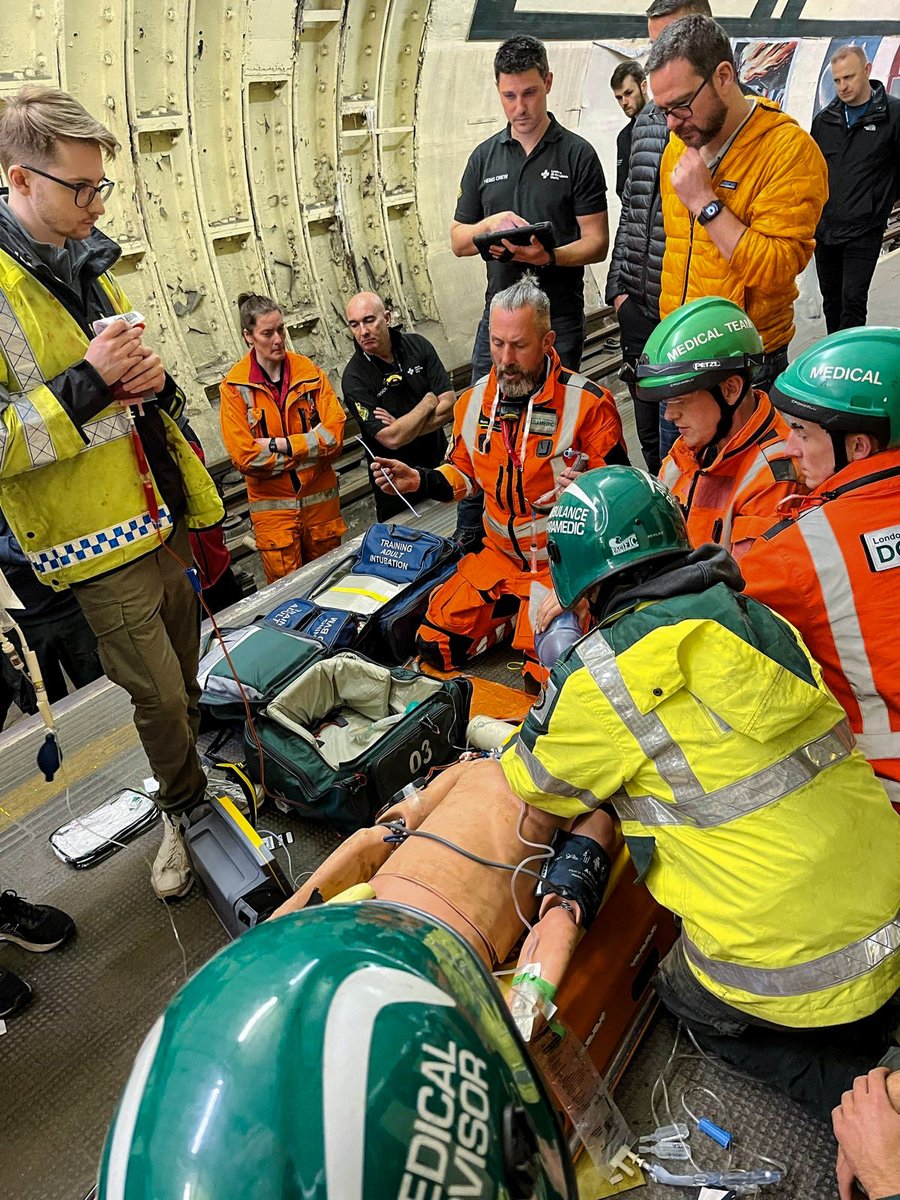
x=70, y=484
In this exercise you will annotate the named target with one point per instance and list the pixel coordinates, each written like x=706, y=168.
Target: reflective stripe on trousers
x=693, y=804
x=841, y=966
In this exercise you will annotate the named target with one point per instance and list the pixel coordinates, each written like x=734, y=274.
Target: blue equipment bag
x=374, y=599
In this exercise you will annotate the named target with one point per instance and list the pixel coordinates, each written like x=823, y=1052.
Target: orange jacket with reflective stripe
x=515, y=471
x=733, y=501
x=834, y=573
x=774, y=179
x=313, y=421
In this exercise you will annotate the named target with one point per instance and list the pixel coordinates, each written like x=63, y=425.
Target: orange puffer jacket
x=774, y=179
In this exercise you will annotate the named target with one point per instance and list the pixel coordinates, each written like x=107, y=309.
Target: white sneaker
x=171, y=874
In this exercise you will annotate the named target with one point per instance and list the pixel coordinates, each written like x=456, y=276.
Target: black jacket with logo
x=863, y=166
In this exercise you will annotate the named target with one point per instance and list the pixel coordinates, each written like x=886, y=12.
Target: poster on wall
x=765, y=66
x=825, y=92
x=892, y=81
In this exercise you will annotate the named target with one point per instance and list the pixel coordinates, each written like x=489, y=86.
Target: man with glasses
x=633, y=282
x=99, y=503
x=743, y=187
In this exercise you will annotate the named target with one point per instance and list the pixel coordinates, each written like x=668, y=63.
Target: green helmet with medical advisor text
x=346, y=1052
x=849, y=382
x=609, y=519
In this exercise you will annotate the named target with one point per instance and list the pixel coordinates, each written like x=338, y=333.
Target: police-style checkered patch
x=104, y=541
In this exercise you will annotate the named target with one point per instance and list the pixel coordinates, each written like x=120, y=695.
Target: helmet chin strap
x=839, y=442
x=726, y=419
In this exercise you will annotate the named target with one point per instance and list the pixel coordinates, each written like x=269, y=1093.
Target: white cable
x=393, y=485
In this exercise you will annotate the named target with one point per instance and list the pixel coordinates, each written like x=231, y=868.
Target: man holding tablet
x=532, y=171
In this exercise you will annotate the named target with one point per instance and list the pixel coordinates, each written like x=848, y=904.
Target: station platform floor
x=65, y=1059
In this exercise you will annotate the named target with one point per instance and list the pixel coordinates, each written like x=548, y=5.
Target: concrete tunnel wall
x=309, y=149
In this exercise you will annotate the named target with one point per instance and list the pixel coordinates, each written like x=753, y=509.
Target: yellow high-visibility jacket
x=73, y=496
x=747, y=808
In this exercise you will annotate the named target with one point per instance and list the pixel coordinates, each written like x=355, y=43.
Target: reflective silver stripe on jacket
x=247, y=397
x=647, y=729
x=879, y=745
x=548, y=783
x=670, y=474
x=756, y=791
x=840, y=608
x=107, y=429
x=17, y=349
x=761, y=464
x=500, y=530
x=841, y=966
x=294, y=502
x=469, y=428
x=41, y=450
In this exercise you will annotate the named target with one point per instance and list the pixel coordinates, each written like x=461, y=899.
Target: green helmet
x=847, y=383
x=346, y=1052
x=696, y=348
x=609, y=519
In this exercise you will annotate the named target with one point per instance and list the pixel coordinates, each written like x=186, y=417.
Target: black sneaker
x=33, y=926
x=14, y=993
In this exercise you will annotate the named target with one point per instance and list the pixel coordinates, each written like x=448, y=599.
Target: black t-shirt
x=365, y=387
x=560, y=180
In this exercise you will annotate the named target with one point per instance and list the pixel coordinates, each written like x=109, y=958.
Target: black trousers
x=636, y=325
x=845, y=271
x=812, y=1066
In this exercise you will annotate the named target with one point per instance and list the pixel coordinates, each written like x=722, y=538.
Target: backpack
x=339, y=740
x=374, y=598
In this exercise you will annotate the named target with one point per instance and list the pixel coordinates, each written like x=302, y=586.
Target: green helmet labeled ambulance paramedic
x=697, y=347
x=352, y=1051
x=610, y=519
x=848, y=383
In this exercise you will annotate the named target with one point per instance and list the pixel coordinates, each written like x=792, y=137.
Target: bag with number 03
x=339, y=740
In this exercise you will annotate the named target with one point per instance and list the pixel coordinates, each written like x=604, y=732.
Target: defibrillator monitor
x=519, y=235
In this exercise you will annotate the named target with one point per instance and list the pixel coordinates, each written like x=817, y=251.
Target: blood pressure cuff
x=579, y=870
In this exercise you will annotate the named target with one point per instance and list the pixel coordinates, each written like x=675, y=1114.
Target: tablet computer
x=519, y=235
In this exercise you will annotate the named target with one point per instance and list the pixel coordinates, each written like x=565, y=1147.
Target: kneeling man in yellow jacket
x=697, y=716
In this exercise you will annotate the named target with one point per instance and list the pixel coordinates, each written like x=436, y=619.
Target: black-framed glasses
x=681, y=112
x=84, y=192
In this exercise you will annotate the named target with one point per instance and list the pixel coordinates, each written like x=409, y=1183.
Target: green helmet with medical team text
x=696, y=348
x=346, y=1052
x=849, y=382
x=609, y=519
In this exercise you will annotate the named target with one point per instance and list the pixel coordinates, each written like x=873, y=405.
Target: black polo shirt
x=560, y=180
x=365, y=388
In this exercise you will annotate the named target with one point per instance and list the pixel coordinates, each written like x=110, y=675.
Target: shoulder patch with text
x=882, y=547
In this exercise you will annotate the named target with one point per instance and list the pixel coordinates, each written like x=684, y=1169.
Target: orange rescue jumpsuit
x=294, y=502
x=514, y=460
x=834, y=573
x=733, y=501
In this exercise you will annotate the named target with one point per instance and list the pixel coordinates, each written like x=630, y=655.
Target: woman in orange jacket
x=282, y=425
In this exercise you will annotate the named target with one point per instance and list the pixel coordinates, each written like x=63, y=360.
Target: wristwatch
x=710, y=211
x=551, y=261
x=273, y=445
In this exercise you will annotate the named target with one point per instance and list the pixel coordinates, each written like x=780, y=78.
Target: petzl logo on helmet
x=345, y=1065
x=569, y=521
x=854, y=374
x=623, y=545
